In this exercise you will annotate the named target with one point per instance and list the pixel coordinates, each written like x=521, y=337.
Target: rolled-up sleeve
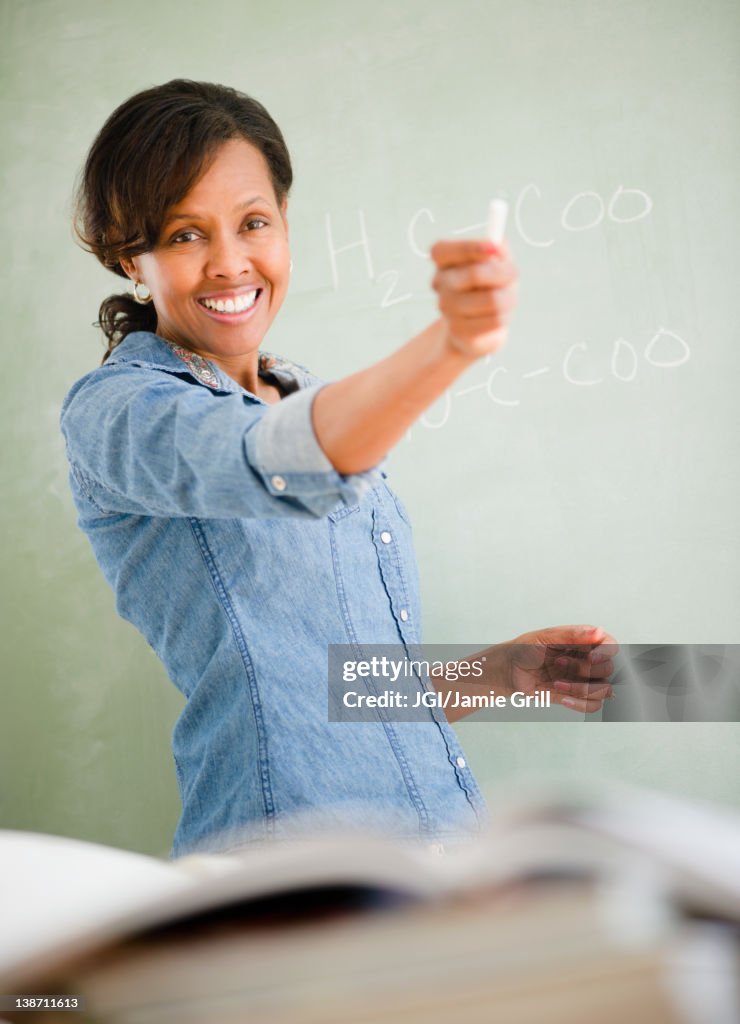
x=284, y=450
x=151, y=443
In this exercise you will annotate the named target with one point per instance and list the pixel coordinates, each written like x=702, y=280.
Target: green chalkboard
x=587, y=473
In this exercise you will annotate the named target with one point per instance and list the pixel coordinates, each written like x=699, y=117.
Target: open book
x=63, y=898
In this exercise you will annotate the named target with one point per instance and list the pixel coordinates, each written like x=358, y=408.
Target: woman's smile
x=232, y=307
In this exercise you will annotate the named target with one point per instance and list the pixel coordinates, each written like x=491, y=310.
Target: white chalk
x=498, y=210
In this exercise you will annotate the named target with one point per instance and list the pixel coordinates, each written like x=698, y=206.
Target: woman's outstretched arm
x=358, y=419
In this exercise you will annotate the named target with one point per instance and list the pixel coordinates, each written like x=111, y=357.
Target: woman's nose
x=228, y=257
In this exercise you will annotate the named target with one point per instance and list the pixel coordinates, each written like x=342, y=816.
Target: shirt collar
x=143, y=348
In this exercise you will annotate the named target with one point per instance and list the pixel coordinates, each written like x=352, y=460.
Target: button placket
x=391, y=567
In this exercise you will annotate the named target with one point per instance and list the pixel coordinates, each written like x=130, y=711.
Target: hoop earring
x=142, y=300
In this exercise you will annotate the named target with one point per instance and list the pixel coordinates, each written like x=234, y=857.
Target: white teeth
x=235, y=305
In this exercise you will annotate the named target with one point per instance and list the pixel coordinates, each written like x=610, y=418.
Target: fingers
x=476, y=282
x=590, y=665
x=480, y=269
x=575, y=663
x=584, y=697
x=459, y=253
x=484, y=302
x=581, y=671
x=588, y=643
x=588, y=707
x=583, y=691
x=573, y=636
x=492, y=272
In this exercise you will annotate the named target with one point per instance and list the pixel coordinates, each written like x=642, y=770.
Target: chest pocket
x=341, y=511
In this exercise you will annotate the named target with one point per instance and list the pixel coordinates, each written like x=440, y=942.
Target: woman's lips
x=231, y=318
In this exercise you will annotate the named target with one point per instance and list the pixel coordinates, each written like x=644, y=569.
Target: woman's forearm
x=358, y=419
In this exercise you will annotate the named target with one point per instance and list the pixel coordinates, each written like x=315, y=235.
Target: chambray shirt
x=240, y=554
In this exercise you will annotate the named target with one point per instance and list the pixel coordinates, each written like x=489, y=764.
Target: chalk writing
x=387, y=300
x=583, y=212
x=501, y=384
x=363, y=243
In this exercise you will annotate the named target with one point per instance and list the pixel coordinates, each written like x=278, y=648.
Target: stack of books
x=625, y=908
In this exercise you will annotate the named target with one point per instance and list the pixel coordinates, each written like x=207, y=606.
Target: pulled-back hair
x=146, y=157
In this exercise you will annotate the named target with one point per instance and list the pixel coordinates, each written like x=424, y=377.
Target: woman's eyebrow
x=197, y=216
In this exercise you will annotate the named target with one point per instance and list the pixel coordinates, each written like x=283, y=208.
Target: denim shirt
x=240, y=554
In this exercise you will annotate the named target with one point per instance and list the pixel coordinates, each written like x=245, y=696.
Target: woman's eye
x=189, y=236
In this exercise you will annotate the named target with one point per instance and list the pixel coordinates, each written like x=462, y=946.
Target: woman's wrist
x=498, y=668
x=459, y=347
x=452, y=348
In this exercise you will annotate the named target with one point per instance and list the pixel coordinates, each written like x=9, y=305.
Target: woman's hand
x=477, y=286
x=574, y=662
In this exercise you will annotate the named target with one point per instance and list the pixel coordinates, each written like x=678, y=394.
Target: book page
x=53, y=889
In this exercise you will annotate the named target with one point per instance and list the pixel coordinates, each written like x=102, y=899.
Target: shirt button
x=385, y=537
x=461, y=762
x=404, y=615
x=278, y=482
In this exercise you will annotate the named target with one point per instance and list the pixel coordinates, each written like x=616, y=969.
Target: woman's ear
x=128, y=264
x=284, y=213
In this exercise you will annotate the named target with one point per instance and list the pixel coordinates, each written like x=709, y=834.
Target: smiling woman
x=237, y=504
x=232, y=163
x=219, y=271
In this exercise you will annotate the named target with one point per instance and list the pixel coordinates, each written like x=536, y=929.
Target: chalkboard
x=586, y=474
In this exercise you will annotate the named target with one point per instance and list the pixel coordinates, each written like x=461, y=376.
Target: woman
x=236, y=503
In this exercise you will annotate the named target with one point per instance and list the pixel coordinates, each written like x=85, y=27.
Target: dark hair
x=146, y=157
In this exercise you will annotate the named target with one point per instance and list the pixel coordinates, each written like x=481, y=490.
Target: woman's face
x=226, y=242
